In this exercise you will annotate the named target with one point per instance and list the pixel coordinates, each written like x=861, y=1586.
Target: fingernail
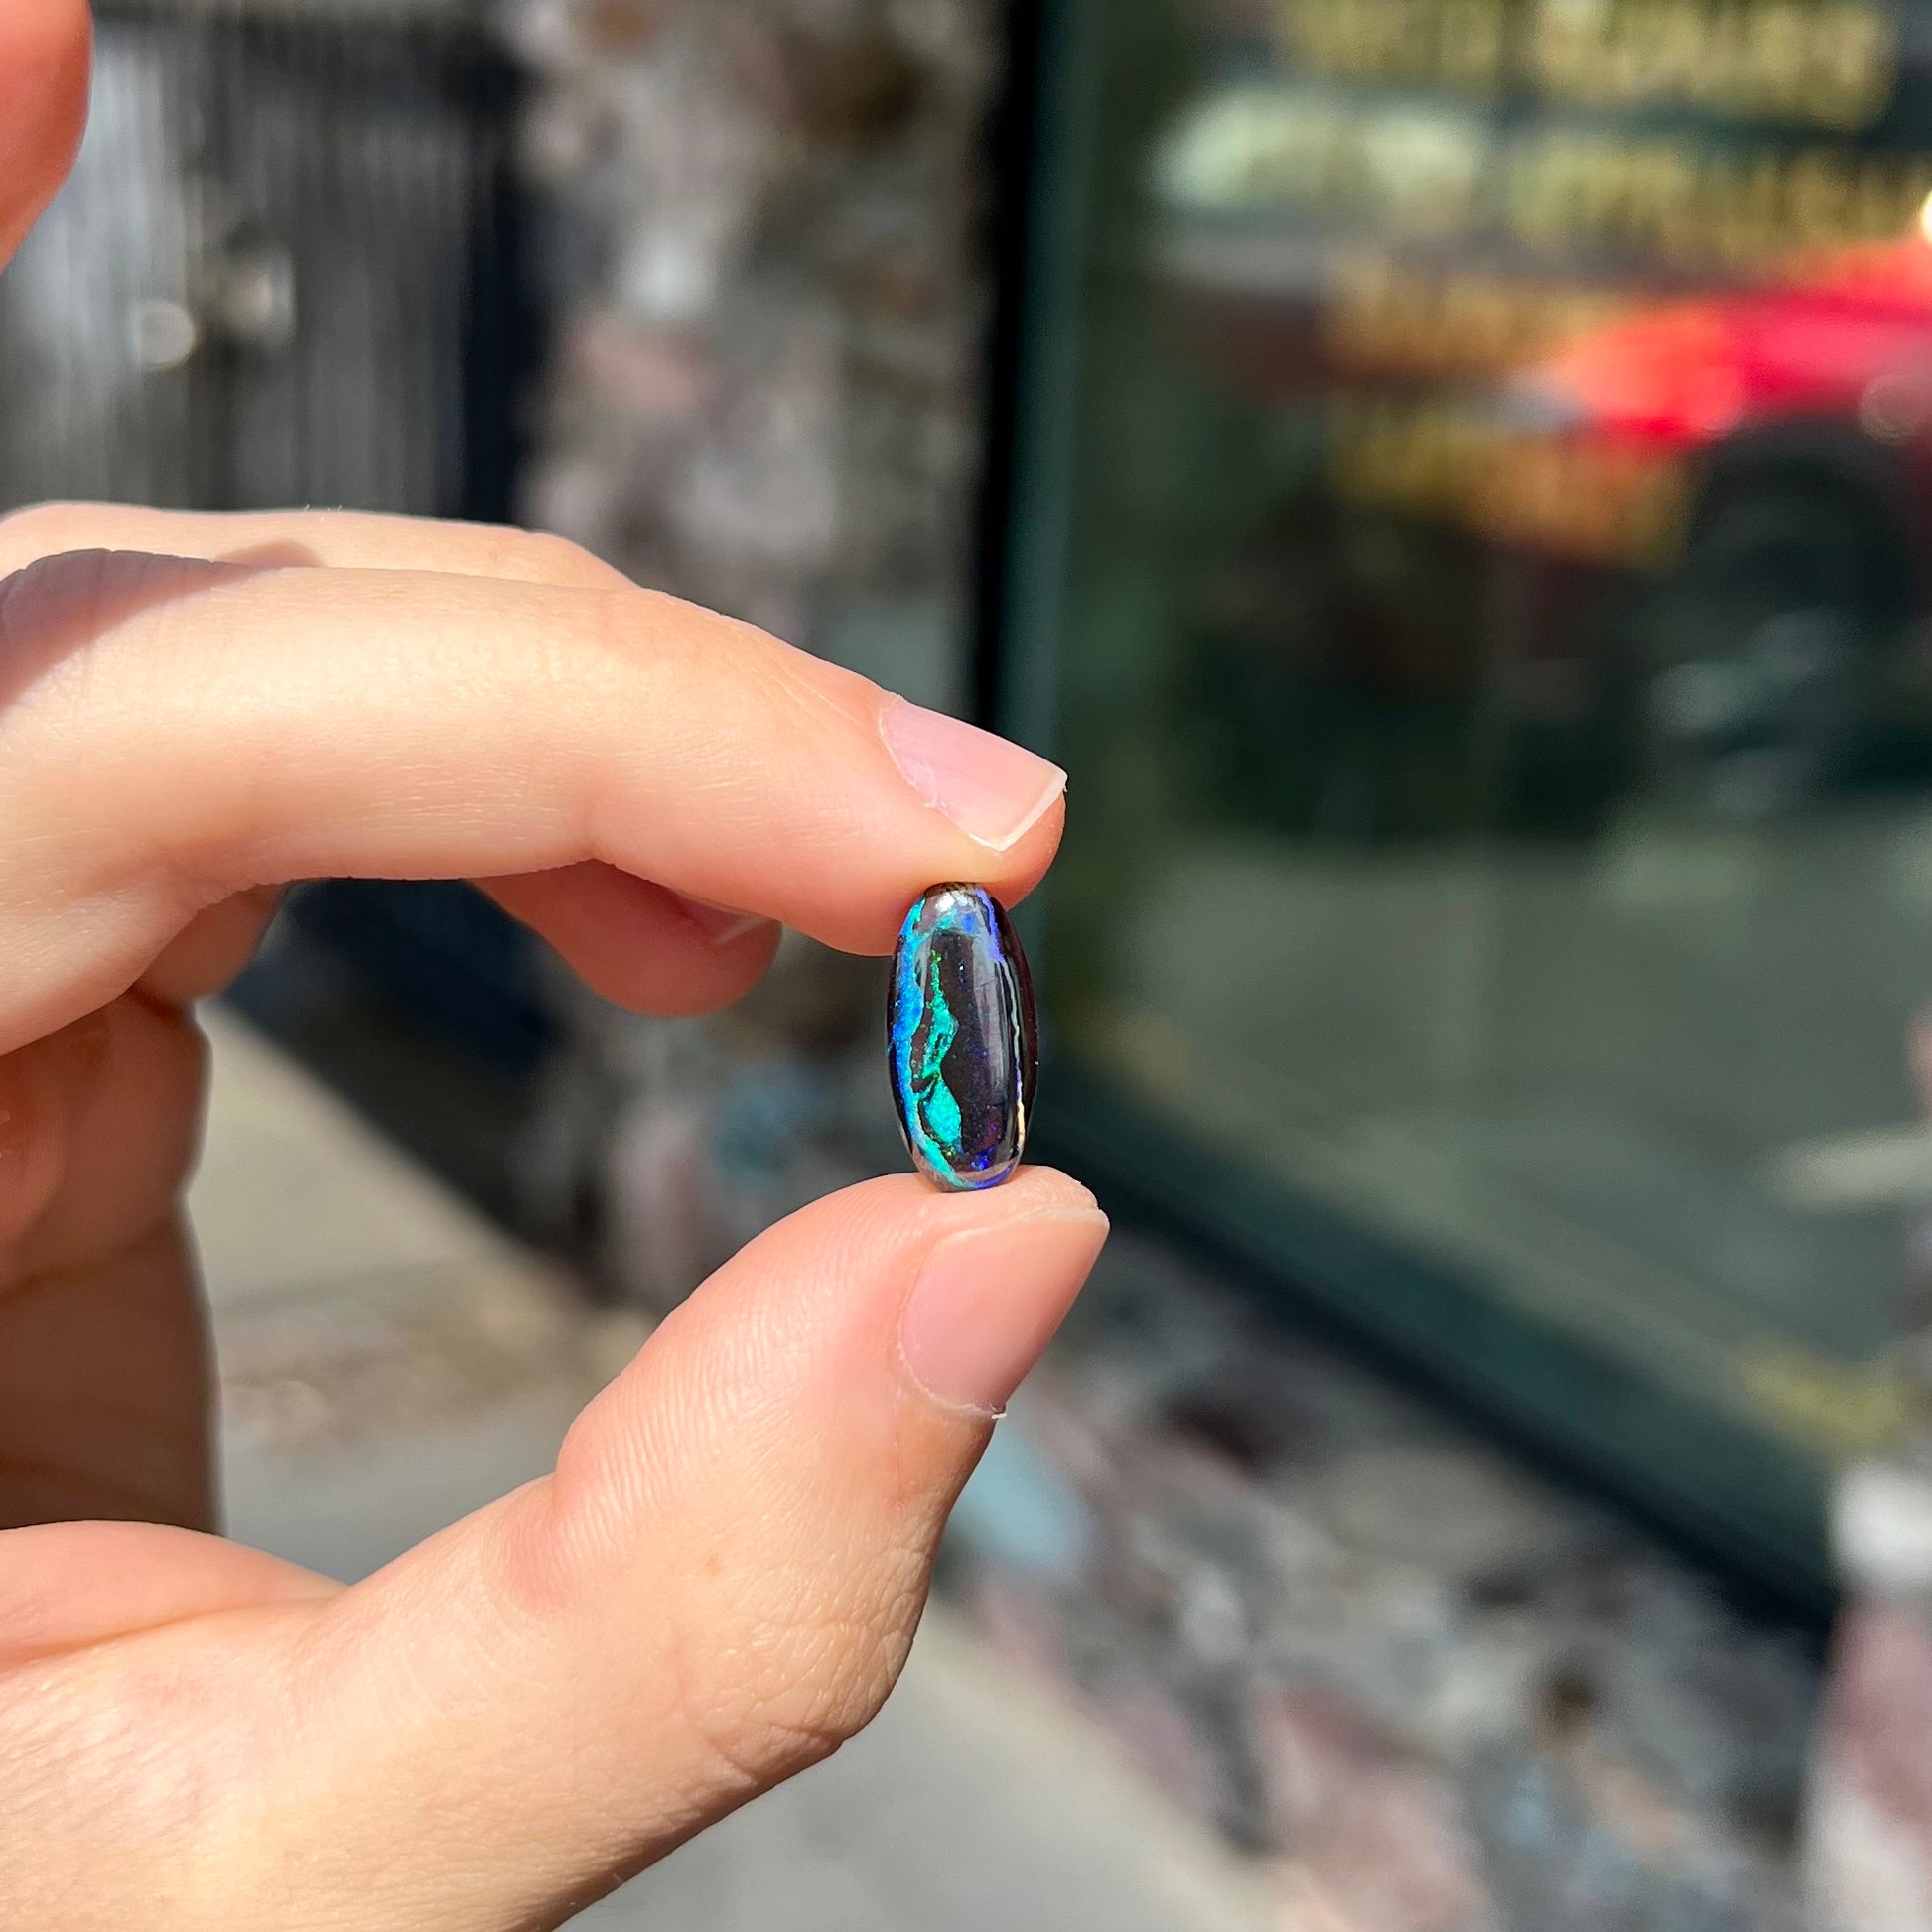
x=989, y=1299
x=994, y=790
x=718, y=924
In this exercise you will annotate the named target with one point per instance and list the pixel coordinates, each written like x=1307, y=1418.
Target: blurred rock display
x=1869, y=1823
x=1869, y=1836
x=764, y=265
x=661, y=1146
x=767, y=272
x=1431, y=1693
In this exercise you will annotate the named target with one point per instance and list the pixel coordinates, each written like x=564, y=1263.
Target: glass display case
x=1465, y=528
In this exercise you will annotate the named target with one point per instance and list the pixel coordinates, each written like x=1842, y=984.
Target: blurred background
x=1452, y=482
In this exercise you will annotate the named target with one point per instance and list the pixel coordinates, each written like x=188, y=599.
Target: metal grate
x=284, y=270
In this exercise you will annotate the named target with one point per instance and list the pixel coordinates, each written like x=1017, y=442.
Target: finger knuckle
x=789, y=1692
x=19, y=521
x=545, y=558
x=38, y=531
x=774, y=1668
x=55, y=1096
x=33, y=1137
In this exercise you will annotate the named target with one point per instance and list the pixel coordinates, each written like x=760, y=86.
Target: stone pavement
x=390, y=1361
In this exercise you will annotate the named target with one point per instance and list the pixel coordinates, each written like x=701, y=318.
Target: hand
x=719, y=1580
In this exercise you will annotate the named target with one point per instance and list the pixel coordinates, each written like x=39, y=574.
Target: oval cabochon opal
x=961, y=1038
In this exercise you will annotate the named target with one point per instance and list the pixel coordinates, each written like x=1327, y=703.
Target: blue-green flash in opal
x=961, y=1038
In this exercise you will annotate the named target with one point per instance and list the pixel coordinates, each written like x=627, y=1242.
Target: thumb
x=44, y=65
x=717, y=1586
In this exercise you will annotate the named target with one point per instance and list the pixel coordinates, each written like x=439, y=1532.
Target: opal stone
x=961, y=1038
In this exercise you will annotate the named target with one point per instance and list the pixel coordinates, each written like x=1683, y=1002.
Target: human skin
x=721, y=1578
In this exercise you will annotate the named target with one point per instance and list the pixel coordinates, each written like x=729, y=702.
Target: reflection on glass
x=1493, y=649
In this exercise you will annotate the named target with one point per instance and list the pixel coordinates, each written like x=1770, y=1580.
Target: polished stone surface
x=961, y=1038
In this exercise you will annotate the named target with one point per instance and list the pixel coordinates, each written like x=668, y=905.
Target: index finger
x=175, y=732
